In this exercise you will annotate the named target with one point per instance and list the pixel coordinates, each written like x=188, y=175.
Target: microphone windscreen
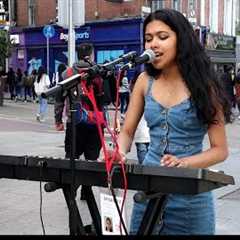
x=150, y=53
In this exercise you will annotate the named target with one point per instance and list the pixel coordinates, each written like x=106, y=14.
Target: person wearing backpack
x=87, y=139
x=27, y=84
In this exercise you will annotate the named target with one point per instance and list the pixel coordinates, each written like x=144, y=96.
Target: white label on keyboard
x=109, y=214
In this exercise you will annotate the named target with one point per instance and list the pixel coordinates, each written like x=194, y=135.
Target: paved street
x=20, y=134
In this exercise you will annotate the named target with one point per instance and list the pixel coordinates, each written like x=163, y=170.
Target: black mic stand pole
x=69, y=190
x=72, y=212
x=76, y=226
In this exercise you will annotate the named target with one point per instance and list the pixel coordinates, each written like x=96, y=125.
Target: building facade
x=106, y=36
x=216, y=29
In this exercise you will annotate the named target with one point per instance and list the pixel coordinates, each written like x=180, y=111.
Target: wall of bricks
x=45, y=11
x=207, y=12
x=94, y=10
x=22, y=13
x=100, y=9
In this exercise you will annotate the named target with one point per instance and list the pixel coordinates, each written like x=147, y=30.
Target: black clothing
x=228, y=85
x=87, y=141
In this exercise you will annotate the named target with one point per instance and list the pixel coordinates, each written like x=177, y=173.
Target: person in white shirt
x=124, y=91
x=41, y=84
x=142, y=139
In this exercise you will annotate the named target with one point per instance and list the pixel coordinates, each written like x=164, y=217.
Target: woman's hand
x=169, y=160
x=116, y=157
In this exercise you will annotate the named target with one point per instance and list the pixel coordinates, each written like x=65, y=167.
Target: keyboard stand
x=153, y=213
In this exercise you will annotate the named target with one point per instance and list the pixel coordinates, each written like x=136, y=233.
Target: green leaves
x=5, y=46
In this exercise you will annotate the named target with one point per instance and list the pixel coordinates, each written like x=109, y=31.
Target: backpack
x=84, y=109
x=28, y=81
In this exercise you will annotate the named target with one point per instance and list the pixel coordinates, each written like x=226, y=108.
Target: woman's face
x=163, y=41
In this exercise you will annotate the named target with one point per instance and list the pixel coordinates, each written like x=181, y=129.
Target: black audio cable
x=41, y=163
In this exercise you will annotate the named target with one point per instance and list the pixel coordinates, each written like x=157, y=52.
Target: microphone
x=147, y=56
x=102, y=69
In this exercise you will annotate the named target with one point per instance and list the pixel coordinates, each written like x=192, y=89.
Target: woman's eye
x=148, y=39
x=163, y=37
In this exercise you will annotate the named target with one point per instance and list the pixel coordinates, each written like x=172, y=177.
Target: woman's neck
x=171, y=74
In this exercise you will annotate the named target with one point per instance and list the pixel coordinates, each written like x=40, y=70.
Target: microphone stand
x=75, y=222
x=72, y=203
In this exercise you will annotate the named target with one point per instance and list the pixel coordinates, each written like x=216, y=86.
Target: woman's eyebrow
x=157, y=32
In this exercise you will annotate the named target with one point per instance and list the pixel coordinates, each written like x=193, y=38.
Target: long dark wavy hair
x=207, y=93
x=41, y=71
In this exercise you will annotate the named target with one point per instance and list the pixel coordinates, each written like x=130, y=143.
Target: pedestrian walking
x=124, y=92
x=19, y=85
x=228, y=84
x=182, y=101
x=237, y=91
x=11, y=79
x=33, y=77
x=41, y=84
x=27, y=85
x=59, y=99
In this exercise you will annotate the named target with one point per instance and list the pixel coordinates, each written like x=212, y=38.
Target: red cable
x=99, y=120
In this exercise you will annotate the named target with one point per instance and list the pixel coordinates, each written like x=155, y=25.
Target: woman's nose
x=154, y=43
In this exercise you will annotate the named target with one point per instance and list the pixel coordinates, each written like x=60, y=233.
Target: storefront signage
x=79, y=36
x=221, y=42
x=14, y=38
x=20, y=53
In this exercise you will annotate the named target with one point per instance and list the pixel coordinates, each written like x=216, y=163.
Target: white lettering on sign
x=83, y=35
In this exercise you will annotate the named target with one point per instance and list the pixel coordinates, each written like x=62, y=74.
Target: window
x=202, y=22
x=1, y=6
x=214, y=16
x=109, y=55
x=157, y=4
x=31, y=12
x=191, y=4
x=176, y=4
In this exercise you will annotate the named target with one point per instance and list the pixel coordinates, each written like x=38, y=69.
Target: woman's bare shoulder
x=142, y=81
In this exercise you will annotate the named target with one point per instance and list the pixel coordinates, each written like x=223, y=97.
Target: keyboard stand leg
x=75, y=222
x=153, y=214
x=93, y=208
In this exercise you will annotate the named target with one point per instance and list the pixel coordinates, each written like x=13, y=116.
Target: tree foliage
x=5, y=46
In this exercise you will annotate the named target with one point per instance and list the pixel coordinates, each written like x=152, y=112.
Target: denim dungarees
x=176, y=131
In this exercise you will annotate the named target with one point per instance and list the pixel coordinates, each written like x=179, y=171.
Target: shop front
x=110, y=39
x=221, y=50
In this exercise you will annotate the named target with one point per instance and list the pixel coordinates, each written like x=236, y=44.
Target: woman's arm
x=217, y=152
x=133, y=114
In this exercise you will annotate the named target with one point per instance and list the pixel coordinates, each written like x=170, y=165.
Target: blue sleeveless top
x=175, y=130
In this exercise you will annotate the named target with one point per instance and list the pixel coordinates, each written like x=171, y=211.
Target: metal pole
x=9, y=12
x=48, y=56
x=71, y=35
